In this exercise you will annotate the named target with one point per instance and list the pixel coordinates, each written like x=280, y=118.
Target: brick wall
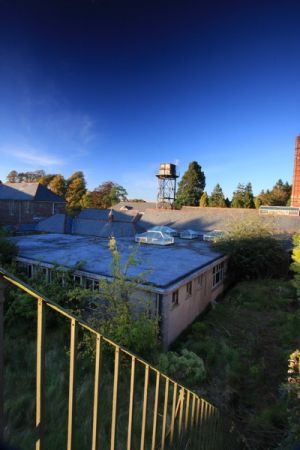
x=13, y=212
x=295, y=201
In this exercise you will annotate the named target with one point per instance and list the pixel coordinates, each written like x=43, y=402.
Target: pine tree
x=76, y=189
x=248, y=196
x=217, y=198
x=238, y=197
x=191, y=186
x=204, y=200
x=243, y=197
x=58, y=185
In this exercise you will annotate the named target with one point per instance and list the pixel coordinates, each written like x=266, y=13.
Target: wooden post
x=3, y=285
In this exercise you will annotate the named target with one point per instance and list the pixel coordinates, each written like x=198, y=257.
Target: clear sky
x=113, y=88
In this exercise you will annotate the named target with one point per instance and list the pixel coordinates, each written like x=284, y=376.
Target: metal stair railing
x=175, y=414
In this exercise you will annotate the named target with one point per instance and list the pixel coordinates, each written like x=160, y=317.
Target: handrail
x=189, y=411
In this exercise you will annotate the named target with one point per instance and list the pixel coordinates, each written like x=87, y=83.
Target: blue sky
x=114, y=88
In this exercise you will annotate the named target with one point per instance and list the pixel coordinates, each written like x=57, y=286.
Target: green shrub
x=254, y=252
x=8, y=250
x=186, y=367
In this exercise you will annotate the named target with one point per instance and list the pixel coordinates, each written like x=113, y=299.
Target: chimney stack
x=295, y=200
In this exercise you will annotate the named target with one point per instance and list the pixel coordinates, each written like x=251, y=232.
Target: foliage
x=217, y=198
x=28, y=177
x=279, y=195
x=292, y=391
x=191, y=186
x=8, y=250
x=243, y=196
x=76, y=188
x=58, y=185
x=184, y=366
x=244, y=341
x=295, y=266
x=204, y=200
x=108, y=194
x=87, y=200
x=119, y=314
x=254, y=252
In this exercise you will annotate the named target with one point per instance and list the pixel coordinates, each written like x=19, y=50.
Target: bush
x=8, y=250
x=186, y=367
x=254, y=252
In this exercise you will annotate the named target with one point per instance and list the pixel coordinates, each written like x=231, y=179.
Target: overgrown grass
x=245, y=341
x=20, y=366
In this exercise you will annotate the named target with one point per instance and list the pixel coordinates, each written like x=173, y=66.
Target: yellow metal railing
x=174, y=417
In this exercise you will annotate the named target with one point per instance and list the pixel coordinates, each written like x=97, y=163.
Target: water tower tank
x=167, y=170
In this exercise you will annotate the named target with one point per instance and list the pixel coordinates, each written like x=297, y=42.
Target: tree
x=12, y=176
x=116, y=316
x=248, y=196
x=191, y=186
x=257, y=202
x=295, y=266
x=87, y=200
x=238, y=197
x=279, y=195
x=254, y=252
x=204, y=200
x=217, y=197
x=76, y=189
x=108, y=194
x=243, y=196
x=28, y=177
x=45, y=180
x=58, y=185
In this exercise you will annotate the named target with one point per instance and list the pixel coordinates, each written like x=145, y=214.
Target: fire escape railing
x=176, y=414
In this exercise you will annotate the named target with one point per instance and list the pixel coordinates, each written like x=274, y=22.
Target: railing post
x=3, y=285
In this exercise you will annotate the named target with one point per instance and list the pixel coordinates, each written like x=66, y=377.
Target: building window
x=218, y=274
x=199, y=281
x=175, y=298
x=189, y=289
x=96, y=285
x=77, y=280
x=11, y=207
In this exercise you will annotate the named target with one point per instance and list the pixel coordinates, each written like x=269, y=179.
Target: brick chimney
x=295, y=200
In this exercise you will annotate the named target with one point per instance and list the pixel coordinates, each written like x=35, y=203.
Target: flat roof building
x=179, y=281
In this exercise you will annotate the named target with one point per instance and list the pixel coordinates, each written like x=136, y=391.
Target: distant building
x=25, y=203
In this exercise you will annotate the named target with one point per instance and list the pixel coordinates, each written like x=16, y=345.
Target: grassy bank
x=245, y=342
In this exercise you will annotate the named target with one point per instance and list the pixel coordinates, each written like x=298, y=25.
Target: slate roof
x=138, y=206
x=28, y=192
x=208, y=219
x=102, y=228
x=104, y=214
x=53, y=224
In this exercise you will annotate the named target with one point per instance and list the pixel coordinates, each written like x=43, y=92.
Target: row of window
x=218, y=276
x=32, y=270
x=13, y=207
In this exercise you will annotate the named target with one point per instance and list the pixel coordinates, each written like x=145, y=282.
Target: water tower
x=166, y=176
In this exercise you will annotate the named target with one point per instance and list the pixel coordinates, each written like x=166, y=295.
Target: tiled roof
x=29, y=192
